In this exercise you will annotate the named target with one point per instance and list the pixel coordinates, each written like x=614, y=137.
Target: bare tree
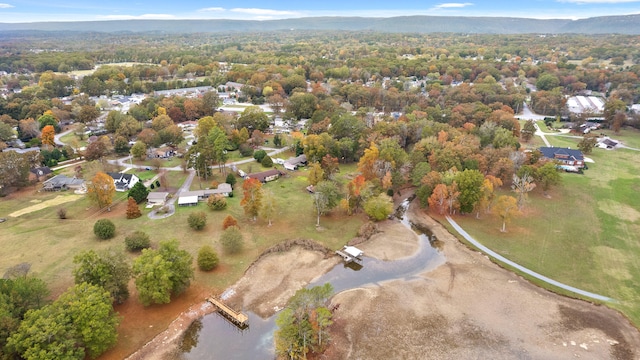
x=522, y=186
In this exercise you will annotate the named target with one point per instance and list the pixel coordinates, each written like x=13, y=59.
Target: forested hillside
x=629, y=24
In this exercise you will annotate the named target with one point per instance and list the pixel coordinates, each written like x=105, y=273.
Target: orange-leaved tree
x=133, y=211
x=438, y=199
x=48, y=135
x=228, y=222
x=252, y=200
x=101, y=189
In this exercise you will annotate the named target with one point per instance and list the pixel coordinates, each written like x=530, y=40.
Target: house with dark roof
x=123, y=181
x=62, y=182
x=607, y=143
x=564, y=156
x=266, y=176
x=39, y=173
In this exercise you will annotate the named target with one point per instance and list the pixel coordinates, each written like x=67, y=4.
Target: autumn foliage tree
x=316, y=174
x=228, y=222
x=252, y=199
x=330, y=166
x=101, y=190
x=354, y=197
x=438, y=198
x=367, y=162
x=48, y=135
x=133, y=211
x=506, y=207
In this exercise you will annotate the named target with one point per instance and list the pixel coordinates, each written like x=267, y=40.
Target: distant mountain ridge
x=626, y=24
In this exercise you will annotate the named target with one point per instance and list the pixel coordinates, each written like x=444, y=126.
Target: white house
x=123, y=181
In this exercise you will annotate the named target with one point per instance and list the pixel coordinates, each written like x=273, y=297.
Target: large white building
x=586, y=104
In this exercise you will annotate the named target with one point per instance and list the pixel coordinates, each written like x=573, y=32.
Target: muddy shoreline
x=468, y=307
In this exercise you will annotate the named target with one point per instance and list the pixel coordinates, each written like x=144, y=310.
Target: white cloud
x=6, y=6
x=598, y=1
x=264, y=12
x=212, y=9
x=138, y=17
x=452, y=5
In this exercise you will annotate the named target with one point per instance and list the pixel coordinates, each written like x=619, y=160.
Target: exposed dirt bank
x=472, y=308
x=466, y=308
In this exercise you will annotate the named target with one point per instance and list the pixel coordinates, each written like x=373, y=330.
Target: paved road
x=502, y=259
x=56, y=138
x=527, y=114
x=541, y=134
x=125, y=161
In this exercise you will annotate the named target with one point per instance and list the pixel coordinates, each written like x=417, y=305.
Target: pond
x=213, y=337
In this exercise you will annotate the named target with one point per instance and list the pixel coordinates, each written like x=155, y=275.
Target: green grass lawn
x=170, y=162
x=74, y=140
x=143, y=175
x=49, y=244
x=629, y=137
x=585, y=235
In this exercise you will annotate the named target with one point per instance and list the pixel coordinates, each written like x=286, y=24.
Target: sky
x=12, y=11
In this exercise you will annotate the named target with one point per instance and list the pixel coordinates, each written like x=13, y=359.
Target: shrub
x=217, y=202
x=207, y=258
x=228, y=222
x=266, y=161
x=197, y=220
x=137, y=241
x=62, y=213
x=259, y=155
x=379, y=207
x=231, y=240
x=104, y=229
x=245, y=150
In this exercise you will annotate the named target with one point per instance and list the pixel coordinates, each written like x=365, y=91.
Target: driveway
x=170, y=205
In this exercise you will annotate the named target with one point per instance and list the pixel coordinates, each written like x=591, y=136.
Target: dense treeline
x=65, y=51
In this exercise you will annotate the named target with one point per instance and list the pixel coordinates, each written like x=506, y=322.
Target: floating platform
x=236, y=317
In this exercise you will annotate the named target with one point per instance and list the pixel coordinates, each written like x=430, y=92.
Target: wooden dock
x=350, y=254
x=344, y=256
x=236, y=317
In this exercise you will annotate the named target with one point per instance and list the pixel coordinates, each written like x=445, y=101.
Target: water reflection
x=222, y=340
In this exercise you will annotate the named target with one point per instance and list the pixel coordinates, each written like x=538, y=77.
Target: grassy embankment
x=585, y=233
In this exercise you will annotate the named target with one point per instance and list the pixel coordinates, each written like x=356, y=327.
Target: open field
x=49, y=244
x=585, y=234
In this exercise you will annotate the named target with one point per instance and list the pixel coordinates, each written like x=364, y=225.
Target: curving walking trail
x=502, y=259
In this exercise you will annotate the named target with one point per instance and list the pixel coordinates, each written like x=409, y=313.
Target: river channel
x=213, y=337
